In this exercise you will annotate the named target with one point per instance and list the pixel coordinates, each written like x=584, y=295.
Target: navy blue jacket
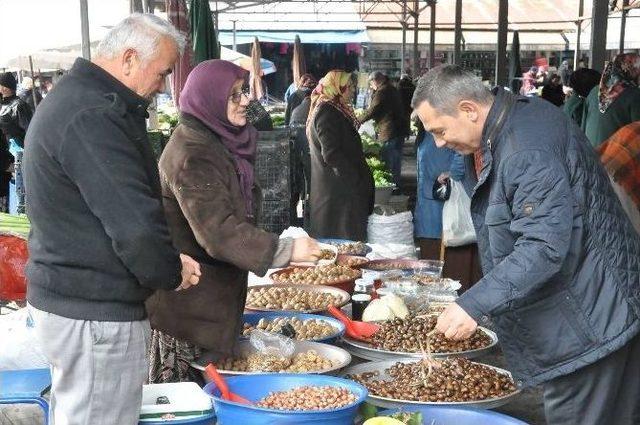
x=561, y=261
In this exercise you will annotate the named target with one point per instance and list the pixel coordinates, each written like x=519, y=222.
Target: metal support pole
x=501, y=51
x=578, y=55
x=403, y=49
x=457, y=37
x=599, y=18
x=432, y=35
x=235, y=47
x=623, y=24
x=84, y=26
x=416, y=53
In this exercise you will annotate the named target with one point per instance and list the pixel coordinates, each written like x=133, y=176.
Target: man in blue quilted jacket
x=561, y=261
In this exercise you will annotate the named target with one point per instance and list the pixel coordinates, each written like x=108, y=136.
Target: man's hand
x=190, y=272
x=305, y=250
x=455, y=323
x=442, y=178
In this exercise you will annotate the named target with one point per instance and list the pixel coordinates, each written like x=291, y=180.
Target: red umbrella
x=178, y=16
x=255, y=83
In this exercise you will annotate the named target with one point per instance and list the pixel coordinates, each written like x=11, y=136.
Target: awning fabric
x=312, y=37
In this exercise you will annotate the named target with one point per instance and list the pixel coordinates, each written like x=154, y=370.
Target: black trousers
x=604, y=393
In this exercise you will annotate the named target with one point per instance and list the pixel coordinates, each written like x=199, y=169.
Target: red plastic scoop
x=213, y=374
x=356, y=330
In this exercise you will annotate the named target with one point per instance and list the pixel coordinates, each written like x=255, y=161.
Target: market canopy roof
x=245, y=37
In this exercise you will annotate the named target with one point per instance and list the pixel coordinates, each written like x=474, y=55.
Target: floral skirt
x=170, y=358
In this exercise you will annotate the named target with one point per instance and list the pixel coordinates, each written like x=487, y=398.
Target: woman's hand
x=305, y=250
x=190, y=272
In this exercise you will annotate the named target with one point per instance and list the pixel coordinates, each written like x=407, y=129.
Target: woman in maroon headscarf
x=210, y=196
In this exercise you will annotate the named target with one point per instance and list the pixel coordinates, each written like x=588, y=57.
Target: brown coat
x=342, y=192
x=387, y=111
x=206, y=214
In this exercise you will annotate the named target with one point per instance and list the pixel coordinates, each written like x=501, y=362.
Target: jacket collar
x=496, y=119
x=107, y=82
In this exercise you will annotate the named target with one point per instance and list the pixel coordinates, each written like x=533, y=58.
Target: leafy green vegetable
x=368, y=411
x=409, y=418
x=381, y=175
x=277, y=119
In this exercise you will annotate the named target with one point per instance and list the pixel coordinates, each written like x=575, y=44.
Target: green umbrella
x=203, y=33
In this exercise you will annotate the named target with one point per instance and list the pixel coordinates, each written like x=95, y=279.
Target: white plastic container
x=186, y=401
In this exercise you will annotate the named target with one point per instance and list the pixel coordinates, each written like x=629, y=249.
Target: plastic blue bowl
x=442, y=415
x=332, y=241
x=256, y=387
x=254, y=318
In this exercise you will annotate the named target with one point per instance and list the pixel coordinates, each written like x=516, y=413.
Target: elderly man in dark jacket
x=387, y=111
x=561, y=261
x=99, y=243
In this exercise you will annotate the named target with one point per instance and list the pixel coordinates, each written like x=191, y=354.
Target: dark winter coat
x=387, y=111
x=561, y=260
x=99, y=242
x=624, y=110
x=206, y=213
x=342, y=189
x=294, y=101
x=15, y=116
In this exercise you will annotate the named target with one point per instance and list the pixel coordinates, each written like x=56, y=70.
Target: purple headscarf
x=205, y=96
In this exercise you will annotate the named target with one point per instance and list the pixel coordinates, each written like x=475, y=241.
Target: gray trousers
x=605, y=392
x=97, y=368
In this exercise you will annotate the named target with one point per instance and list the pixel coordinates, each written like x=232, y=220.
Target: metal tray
x=428, y=266
x=334, y=241
x=365, y=351
x=339, y=357
x=391, y=403
x=345, y=284
x=344, y=295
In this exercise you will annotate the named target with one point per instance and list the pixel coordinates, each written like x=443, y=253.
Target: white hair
x=141, y=32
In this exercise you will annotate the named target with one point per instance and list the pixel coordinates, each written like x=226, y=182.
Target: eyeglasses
x=237, y=96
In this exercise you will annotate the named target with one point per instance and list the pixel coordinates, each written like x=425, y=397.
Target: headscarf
x=332, y=89
x=618, y=75
x=205, y=96
x=620, y=155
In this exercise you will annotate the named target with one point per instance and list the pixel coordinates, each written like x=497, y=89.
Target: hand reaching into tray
x=305, y=250
x=455, y=323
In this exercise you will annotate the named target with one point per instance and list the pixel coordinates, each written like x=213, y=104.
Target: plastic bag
x=13, y=258
x=457, y=227
x=274, y=351
x=388, y=229
x=23, y=351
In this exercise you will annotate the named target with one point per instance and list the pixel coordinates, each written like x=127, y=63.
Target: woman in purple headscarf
x=210, y=196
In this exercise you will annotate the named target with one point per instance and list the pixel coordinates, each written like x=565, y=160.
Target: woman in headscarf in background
x=210, y=197
x=581, y=83
x=529, y=81
x=615, y=102
x=342, y=190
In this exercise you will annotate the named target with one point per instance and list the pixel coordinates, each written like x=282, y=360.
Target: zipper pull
x=489, y=143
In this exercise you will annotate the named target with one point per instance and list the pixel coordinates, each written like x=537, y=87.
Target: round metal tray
x=365, y=351
x=344, y=296
x=254, y=317
x=339, y=357
x=391, y=403
x=345, y=284
x=428, y=266
x=334, y=241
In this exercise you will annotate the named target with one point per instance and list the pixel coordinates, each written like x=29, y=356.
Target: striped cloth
x=178, y=16
x=620, y=155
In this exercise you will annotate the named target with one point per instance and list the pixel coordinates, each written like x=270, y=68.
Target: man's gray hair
x=445, y=86
x=141, y=32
